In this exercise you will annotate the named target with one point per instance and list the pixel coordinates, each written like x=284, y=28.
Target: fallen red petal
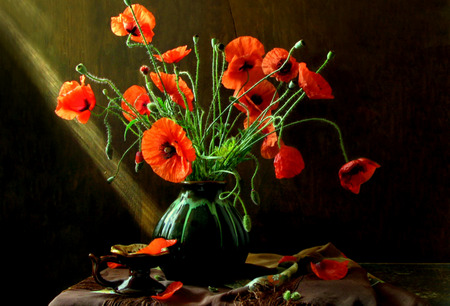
x=287, y=259
x=170, y=290
x=329, y=269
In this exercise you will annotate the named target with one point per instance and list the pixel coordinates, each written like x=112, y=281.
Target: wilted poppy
x=167, y=83
x=157, y=246
x=356, y=172
x=174, y=55
x=168, y=151
x=329, y=269
x=313, y=84
x=273, y=61
x=124, y=24
x=75, y=100
x=170, y=290
x=288, y=162
x=137, y=97
x=244, y=57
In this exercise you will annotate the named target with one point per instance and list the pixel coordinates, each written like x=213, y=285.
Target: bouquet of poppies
x=183, y=140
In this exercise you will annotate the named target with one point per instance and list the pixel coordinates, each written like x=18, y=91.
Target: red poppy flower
x=329, y=269
x=244, y=57
x=170, y=290
x=274, y=59
x=137, y=97
x=75, y=101
x=168, y=151
x=174, y=55
x=288, y=162
x=356, y=172
x=124, y=24
x=167, y=83
x=257, y=99
x=157, y=246
x=269, y=146
x=313, y=84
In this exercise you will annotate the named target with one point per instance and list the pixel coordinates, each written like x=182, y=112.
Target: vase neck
x=205, y=189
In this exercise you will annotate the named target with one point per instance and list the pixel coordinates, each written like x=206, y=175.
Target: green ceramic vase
x=212, y=244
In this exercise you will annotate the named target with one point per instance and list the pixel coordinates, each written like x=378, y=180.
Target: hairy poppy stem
x=341, y=141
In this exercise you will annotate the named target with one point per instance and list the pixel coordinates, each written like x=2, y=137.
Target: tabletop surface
x=430, y=281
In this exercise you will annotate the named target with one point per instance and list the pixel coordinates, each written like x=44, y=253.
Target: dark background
x=389, y=77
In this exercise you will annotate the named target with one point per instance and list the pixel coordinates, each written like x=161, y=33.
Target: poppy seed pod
x=81, y=69
x=152, y=107
x=299, y=44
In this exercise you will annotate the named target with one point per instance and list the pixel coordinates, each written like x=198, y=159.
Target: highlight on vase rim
x=184, y=140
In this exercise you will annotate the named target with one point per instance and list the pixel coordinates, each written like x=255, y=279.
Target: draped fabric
x=358, y=287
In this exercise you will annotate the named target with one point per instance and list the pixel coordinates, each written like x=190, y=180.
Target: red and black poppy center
x=247, y=66
x=355, y=170
x=132, y=29
x=168, y=150
x=85, y=106
x=256, y=99
x=286, y=68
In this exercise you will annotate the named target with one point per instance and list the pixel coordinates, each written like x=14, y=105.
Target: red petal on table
x=157, y=246
x=329, y=269
x=170, y=290
x=287, y=259
x=113, y=265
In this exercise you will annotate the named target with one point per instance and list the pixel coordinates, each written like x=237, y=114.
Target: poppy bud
x=144, y=69
x=292, y=85
x=195, y=38
x=287, y=295
x=247, y=222
x=127, y=2
x=299, y=44
x=110, y=179
x=81, y=69
x=295, y=296
x=220, y=47
x=213, y=42
x=254, y=195
x=139, y=157
x=105, y=92
x=330, y=55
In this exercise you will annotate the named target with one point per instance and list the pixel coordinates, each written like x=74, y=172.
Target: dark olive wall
x=389, y=78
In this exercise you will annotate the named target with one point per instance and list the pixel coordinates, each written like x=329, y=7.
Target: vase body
x=211, y=241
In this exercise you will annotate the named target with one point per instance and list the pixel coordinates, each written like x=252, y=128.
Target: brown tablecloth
x=356, y=288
